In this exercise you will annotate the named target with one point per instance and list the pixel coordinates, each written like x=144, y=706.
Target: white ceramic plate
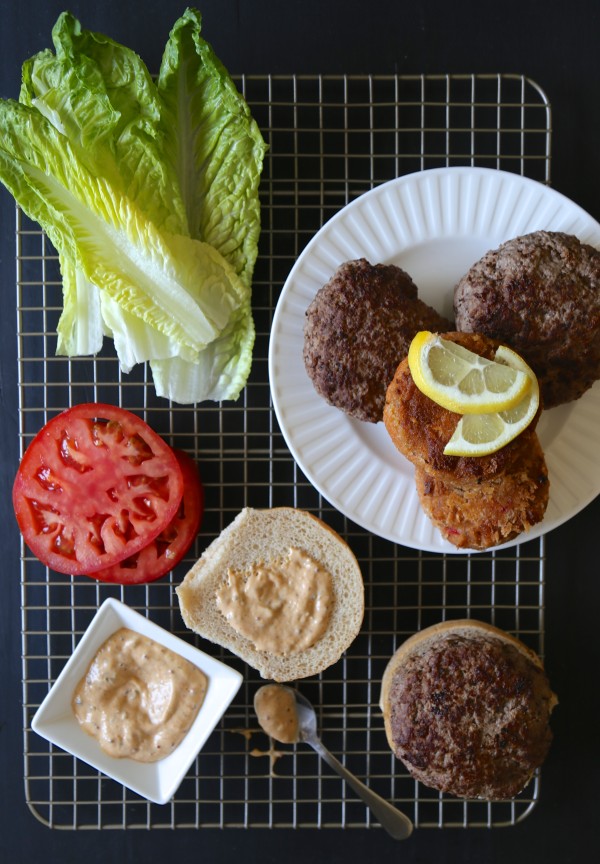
x=156, y=781
x=435, y=224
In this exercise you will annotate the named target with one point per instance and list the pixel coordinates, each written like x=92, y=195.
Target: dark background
x=556, y=44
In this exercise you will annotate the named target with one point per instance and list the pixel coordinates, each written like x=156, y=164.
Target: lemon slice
x=462, y=381
x=482, y=434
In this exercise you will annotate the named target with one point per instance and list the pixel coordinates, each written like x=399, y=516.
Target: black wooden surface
x=556, y=45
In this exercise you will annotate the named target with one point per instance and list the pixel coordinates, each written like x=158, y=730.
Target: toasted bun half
x=264, y=536
x=466, y=708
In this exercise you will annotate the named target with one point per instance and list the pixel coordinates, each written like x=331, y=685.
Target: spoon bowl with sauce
x=288, y=717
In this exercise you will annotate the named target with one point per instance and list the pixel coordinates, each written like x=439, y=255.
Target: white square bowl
x=156, y=781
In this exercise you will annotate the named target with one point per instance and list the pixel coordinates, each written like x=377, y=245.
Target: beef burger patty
x=357, y=330
x=466, y=709
x=539, y=294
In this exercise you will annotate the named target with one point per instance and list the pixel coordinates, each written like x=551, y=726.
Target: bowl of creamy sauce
x=136, y=702
x=138, y=698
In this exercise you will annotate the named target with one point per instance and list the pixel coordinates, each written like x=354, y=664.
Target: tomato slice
x=95, y=486
x=166, y=551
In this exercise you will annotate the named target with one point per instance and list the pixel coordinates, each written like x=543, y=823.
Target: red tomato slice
x=95, y=485
x=166, y=551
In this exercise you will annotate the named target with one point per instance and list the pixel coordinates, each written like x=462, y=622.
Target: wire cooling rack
x=330, y=138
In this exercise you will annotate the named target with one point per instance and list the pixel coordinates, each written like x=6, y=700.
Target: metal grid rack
x=330, y=139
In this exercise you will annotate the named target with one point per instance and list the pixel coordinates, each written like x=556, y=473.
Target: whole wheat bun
x=466, y=708
x=262, y=536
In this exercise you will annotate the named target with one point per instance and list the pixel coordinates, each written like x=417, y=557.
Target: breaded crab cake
x=482, y=515
x=420, y=428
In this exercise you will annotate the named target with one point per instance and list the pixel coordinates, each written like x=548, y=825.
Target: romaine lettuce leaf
x=213, y=143
x=187, y=294
x=80, y=330
x=150, y=195
x=101, y=96
x=221, y=370
x=218, y=151
x=135, y=341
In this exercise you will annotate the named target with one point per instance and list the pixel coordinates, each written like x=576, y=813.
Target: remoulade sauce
x=275, y=708
x=138, y=698
x=283, y=606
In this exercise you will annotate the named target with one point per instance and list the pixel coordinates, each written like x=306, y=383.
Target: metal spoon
x=395, y=823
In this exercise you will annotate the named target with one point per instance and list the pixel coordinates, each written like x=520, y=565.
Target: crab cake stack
x=475, y=502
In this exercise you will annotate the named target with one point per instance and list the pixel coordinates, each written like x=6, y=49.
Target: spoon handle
x=394, y=821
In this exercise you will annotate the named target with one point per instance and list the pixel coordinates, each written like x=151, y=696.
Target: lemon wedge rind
x=484, y=434
x=462, y=381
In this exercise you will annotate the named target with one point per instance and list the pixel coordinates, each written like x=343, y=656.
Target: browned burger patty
x=357, y=329
x=539, y=294
x=466, y=709
x=481, y=515
x=420, y=428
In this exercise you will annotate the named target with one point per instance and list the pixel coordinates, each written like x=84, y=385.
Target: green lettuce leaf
x=188, y=293
x=101, y=96
x=217, y=151
x=150, y=196
x=213, y=143
x=221, y=370
x=80, y=330
x=135, y=341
